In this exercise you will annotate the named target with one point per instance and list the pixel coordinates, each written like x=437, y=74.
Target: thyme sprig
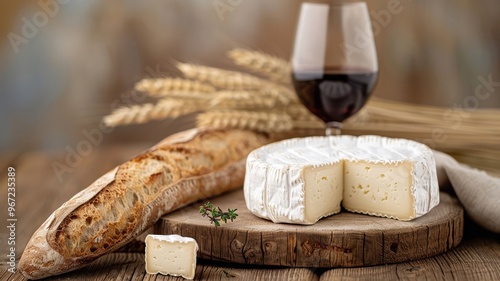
x=215, y=214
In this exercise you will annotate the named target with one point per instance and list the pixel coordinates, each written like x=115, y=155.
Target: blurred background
x=64, y=64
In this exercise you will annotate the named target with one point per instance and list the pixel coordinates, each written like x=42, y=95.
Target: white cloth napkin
x=478, y=192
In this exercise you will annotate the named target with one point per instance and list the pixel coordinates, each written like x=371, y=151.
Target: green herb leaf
x=215, y=214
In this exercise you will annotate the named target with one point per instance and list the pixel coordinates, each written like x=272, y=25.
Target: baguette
x=119, y=206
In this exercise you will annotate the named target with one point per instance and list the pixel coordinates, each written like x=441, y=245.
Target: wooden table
x=39, y=192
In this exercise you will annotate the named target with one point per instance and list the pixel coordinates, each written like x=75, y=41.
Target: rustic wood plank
x=475, y=259
x=253, y=247
x=373, y=248
x=342, y=240
x=130, y=266
x=270, y=248
x=210, y=272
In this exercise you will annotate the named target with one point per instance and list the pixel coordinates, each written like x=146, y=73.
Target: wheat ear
x=273, y=67
x=188, y=96
x=139, y=114
x=261, y=121
x=161, y=86
x=225, y=79
x=264, y=99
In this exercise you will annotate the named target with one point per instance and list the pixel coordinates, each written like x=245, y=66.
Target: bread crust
x=123, y=203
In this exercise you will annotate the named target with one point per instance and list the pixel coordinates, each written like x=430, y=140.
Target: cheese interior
x=171, y=255
x=322, y=191
x=379, y=189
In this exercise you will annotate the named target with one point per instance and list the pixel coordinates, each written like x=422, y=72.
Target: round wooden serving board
x=341, y=240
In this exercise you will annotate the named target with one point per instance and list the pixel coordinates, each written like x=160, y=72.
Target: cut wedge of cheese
x=171, y=255
x=302, y=180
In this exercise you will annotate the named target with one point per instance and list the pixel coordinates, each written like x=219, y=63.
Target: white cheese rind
x=277, y=182
x=276, y=189
x=171, y=255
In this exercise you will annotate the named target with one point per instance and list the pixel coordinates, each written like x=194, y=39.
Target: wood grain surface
x=479, y=260
x=121, y=266
x=342, y=240
x=39, y=193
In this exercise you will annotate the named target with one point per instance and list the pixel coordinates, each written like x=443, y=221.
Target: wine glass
x=334, y=61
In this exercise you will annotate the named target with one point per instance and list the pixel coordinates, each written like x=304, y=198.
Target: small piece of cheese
x=302, y=180
x=171, y=255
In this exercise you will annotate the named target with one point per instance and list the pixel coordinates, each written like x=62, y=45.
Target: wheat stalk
x=275, y=68
x=139, y=114
x=161, y=86
x=261, y=121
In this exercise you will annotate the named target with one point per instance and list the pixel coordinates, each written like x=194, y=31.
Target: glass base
x=333, y=128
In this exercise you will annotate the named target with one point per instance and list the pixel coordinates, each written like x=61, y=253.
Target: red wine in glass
x=334, y=60
x=335, y=94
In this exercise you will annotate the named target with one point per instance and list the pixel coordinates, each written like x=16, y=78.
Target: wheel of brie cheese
x=303, y=180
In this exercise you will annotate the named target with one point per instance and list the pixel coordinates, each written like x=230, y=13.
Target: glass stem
x=333, y=128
